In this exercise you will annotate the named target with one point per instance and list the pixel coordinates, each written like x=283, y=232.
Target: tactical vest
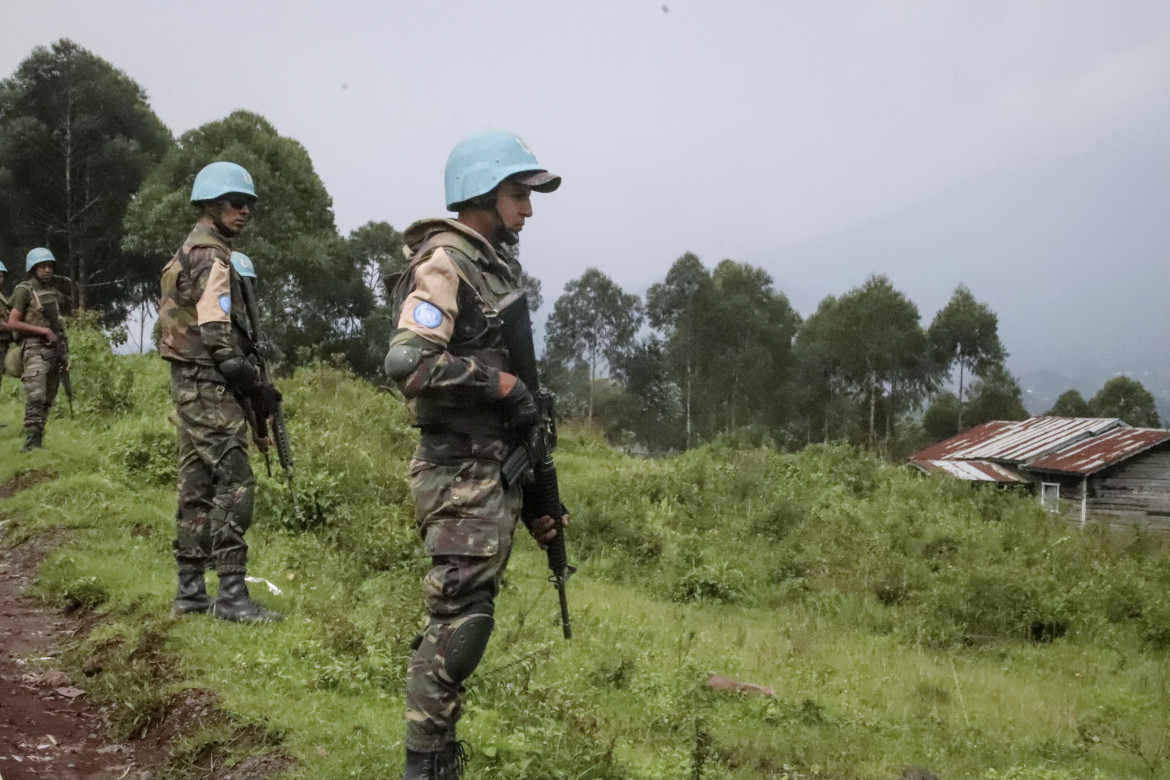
x=179, y=336
x=484, y=283
x=44, y=308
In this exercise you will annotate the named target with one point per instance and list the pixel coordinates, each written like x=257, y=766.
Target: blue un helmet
x=243, y=265
x=219, y=179
x=3, y=268
x=38, y=256
x=478, y=164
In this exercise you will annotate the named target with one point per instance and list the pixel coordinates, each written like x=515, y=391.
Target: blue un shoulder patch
x=428, y=315
x=225, y=303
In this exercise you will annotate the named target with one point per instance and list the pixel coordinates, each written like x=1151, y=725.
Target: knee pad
x=466, y=644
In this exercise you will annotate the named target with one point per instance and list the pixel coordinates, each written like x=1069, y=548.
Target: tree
x=375, y=249
x=673, y=306
x=997, y=396
x=743, y=348
x=1127, y=399
x=593, y=322
x=1071, y=404
x=966, y=332
x=873, y=340
x=941, y=419
x=314, y=295
x=77, y=137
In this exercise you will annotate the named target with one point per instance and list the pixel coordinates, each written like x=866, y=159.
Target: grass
x=901, y=621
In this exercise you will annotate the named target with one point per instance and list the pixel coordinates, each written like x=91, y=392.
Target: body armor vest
x=179, y=336
x=44, y=308
x=485, y=280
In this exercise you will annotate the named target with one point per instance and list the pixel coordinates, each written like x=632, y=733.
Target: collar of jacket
x=206, y=235
x=418, y=233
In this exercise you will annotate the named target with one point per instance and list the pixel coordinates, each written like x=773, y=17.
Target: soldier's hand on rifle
x=51, y=336
x=522, y=411
x=545, y=529
x=262, y=442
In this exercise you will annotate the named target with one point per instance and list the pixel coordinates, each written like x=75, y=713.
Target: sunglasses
x=239, y=202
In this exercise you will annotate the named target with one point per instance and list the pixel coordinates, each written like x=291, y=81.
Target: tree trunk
x=688, y=402
x=960, y=425
x=872, y=410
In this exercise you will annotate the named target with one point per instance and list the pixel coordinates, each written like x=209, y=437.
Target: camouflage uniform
x=6, y=336
x=40, y=305
x=200, y=313
x=447, y=301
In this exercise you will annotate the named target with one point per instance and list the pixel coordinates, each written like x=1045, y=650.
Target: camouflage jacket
x=446, y=305
x=201, y=311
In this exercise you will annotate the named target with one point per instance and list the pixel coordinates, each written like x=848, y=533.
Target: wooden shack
x=1090, y=469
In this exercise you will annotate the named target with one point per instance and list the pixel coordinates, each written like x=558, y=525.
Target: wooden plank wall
x=1135, y=492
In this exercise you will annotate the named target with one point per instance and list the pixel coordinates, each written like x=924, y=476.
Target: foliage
x=997, y=396
x=77, y=136
x=1071, y=404
x=916, y=621
x=1128, y=399
x=594, y=323
x=869, y=344
x=966, y=332
x=313, y=296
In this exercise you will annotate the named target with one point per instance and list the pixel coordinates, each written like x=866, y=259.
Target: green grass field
x=901, y=621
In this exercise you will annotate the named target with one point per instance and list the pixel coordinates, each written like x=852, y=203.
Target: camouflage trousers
x=216, y=485
x=466, y=517
x=40, y=379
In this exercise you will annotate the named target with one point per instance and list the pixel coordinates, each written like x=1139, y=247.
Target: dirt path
x=48, y=726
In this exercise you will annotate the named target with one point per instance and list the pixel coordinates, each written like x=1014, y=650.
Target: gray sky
x=1021, y=148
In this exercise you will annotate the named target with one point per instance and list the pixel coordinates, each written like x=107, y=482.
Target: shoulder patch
x=428, y=315
x=225, y=303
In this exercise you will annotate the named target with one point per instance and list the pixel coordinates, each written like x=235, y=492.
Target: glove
x=521, y=406
x=265, y=400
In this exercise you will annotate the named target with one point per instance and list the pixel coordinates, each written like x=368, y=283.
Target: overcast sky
x=1021, y=148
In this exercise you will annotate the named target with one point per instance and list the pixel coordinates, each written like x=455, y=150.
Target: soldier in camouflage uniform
x=6, y=334
x=36, y=317
x=448, y=358
x=214, y=386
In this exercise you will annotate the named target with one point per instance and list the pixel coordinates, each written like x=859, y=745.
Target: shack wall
x=1134, y=492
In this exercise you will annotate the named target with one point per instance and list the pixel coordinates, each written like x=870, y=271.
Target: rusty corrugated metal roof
x=973, y=470
x=1017, y=443
x=1100, y=452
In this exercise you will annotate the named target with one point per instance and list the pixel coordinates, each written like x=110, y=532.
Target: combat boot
x=192, y=598
x=447, y=764
x=32, y=439
x=234, y=603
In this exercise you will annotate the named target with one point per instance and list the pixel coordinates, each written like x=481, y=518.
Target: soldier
x=212, y=381
x=36, y=318
x=448, y=358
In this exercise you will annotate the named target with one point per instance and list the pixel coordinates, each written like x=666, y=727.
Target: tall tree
x=996, y=396
x=744, y=348
x=314, y=296
x=1071, y=404
x=77, y=136
x=593, y=322
x=966, y=332
x=878, y=347
x=674, y=306
x=1128, y=399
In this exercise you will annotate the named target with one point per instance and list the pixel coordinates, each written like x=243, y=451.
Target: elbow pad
x=401, y=361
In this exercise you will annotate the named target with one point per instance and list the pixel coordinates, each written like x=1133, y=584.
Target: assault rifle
x=279, y=430
x=534, y=460
x=62, y=355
